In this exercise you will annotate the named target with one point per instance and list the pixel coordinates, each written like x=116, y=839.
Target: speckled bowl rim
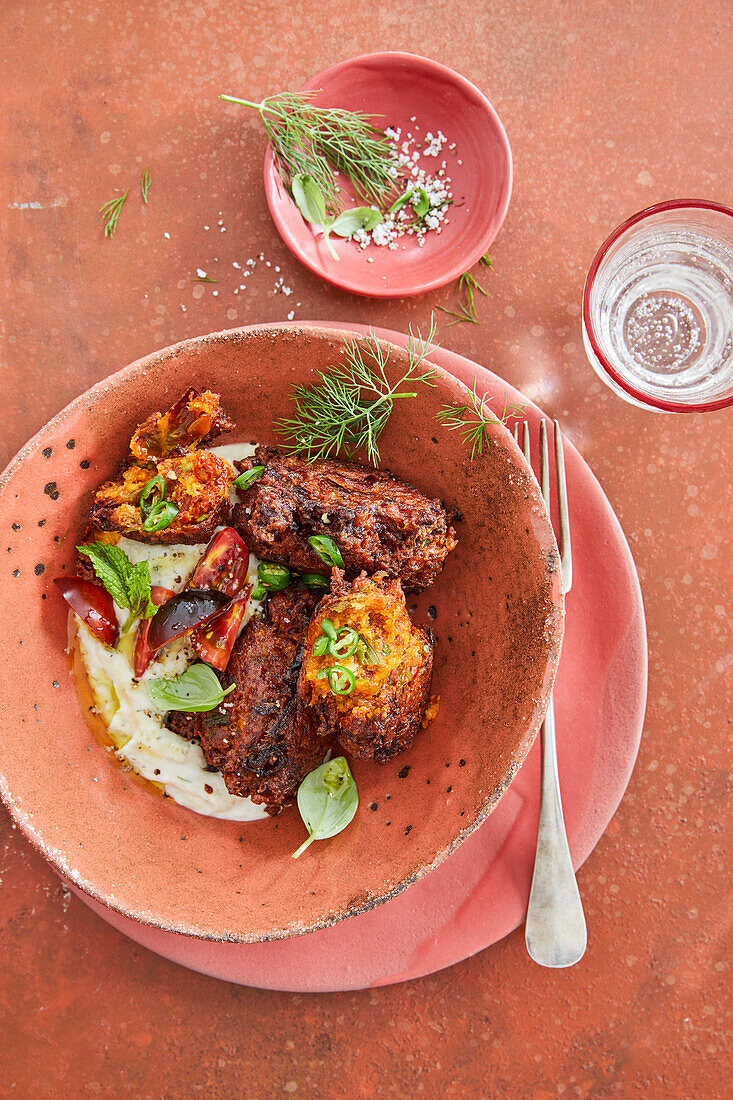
x=554, y=627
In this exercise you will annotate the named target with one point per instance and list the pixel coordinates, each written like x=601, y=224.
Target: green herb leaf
x=197, y=689
x=111, y=213
x=350, y=406
x=313, y=141
x=473, y=419
x=127, y=584
x=403, y=199
x=327, y=801
x=422, y=205
x=361, y=217
x=309, y=199
x=145, y=185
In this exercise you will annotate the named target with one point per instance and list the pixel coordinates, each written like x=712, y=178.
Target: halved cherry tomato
x=143, y=653
x=224, y=565
x=94, y=606
x=214, y=640
x=182, y=613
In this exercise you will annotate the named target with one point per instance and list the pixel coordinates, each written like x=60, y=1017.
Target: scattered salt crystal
x=167, y=236
x=201, y=273
x=238, y=266
x=291, y=315
x=215, y=293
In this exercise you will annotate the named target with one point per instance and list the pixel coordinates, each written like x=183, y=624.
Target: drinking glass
x=658, y=307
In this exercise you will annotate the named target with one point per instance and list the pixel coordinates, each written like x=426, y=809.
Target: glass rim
x=640, y=395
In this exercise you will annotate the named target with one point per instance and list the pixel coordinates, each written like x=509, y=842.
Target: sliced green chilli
x=327, y=550
x=248, y=477
x=161, y=516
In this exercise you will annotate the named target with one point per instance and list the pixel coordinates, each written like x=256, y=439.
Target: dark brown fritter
x=195, y=480
x=386, y=708
x=262, y=739
x=378, y=521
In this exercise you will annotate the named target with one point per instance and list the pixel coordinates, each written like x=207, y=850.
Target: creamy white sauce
x=134, y=723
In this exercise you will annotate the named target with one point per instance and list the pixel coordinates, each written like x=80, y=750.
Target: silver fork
x=554, y=931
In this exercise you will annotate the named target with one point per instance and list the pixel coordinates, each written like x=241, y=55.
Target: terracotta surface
x=479, y=893
x=498, y=637
x=396, y=88
x=608, y=107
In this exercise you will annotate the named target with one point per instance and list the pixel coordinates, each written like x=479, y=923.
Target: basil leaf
x=361, y=217
x=422, y=205
x=327, y=801
x=127, y=584
x=197, y=689
x=309, y=199
x=400, y=202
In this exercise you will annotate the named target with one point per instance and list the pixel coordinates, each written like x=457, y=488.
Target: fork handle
x=555, y=931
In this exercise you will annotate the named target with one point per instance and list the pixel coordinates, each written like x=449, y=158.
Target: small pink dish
x=422, y=96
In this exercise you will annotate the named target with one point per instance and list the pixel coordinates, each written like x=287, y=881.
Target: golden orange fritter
x=195, y=419
x=196, y=481
x=372, y=700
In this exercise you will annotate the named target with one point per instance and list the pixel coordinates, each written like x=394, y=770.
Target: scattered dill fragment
x=313, y=141
x=145, y=185
x=111, y=213
x=466, y=311
x=203, y=279
x=350, y=406
x=474, y=418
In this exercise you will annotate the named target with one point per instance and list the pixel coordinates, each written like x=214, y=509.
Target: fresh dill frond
x=473, y=419
x=203, y=279
x=466, y=310
x=313, y=141
x=349, y=408
x=145, y=185
x=111, y=213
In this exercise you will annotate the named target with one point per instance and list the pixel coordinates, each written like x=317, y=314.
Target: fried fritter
x=194, y=420
x=262, y=738
x=195, y=480
x=378, y=521
x=391, y=668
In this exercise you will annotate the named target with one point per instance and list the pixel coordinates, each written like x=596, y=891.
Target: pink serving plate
x=479, y=894
x=394, y=88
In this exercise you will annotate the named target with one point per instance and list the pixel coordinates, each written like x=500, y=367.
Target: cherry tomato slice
x=224, y=565
x=94, y=606
x=215, y=640
x=182, y=613
x=143, y=653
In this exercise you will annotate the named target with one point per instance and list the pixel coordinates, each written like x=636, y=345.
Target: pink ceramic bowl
x=394, y=88
x=497, y=611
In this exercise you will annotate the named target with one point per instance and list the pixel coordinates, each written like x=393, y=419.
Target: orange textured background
x=609, y=107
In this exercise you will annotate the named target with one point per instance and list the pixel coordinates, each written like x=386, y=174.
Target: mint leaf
x=127, y=584
x=139, y=591
x=111, y=566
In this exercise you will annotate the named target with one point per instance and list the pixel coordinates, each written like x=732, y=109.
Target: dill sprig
x=466, y=311
x=111, y=212
x=145, y=185
x=313, y=141
x=349, y=408
x=474, y=418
